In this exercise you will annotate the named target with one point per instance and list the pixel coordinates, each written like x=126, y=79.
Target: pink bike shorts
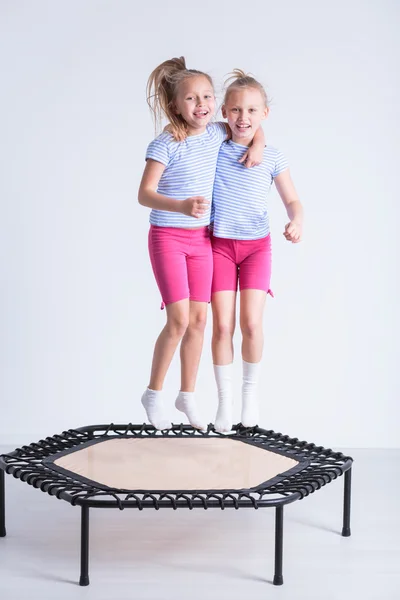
x=182, y=263
x=245, y=261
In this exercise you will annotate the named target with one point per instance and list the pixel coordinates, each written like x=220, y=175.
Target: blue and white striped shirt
x=239, y=209
x=190, y=171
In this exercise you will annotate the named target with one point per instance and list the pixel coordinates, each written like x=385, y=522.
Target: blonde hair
x=162, y=89
x=241, y=80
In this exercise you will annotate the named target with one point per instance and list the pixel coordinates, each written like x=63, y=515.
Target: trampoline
x=136, y=466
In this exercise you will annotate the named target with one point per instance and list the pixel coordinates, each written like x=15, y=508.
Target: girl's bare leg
x=224, y=320
x=252, y=303
x=191, y=347
x=164, y=350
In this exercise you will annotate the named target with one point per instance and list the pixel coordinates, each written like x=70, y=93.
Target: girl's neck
x=242, y=141
x=192, y=132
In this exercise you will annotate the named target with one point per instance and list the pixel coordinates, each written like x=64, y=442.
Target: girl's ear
x=174, y=108
x=266, y=112
x=223, y=110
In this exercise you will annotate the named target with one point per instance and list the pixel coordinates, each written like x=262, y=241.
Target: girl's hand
x=293, y=232
x=253, y=156
x=196, y=206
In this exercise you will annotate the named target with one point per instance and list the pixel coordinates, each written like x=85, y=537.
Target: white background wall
x=79, y=306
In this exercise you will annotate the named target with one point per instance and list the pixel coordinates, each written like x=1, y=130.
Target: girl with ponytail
x=242, y=244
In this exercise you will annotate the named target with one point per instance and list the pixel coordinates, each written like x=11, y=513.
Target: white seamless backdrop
x=79, y=305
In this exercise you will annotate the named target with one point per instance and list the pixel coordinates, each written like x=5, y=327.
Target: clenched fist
x=293, y=232
x=196, y=206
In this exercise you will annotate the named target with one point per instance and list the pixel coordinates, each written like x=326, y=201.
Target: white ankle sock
x=154, y=406
x=250, y=414
x=186, y=403
x=224, y=417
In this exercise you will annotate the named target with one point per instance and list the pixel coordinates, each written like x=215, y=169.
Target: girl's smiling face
x=195, y=102
x=245, y=109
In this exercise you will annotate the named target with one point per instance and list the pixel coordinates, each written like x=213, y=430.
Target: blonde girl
x=177, y=185
x=242, y=244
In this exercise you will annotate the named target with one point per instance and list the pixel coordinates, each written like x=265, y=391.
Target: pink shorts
x=182, y=263
x=245, y=261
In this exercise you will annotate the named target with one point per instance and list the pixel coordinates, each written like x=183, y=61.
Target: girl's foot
x=185, y=402
x=224, y=418
x=250, y=411
x=154, y=407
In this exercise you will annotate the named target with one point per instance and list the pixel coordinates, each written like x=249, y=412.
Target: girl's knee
x=251, y=329
x=198, y=322
x=222, y=331
x=177, y=325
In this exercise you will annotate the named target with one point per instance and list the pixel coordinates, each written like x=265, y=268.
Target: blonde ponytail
x=241, y=80
x=162, y=87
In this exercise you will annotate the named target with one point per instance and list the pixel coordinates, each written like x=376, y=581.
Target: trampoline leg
x=278, y=578
x=2, y=505
x=84, y=579
x=346, y=532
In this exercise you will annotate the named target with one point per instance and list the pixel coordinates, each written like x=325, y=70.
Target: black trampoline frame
x=318, y=466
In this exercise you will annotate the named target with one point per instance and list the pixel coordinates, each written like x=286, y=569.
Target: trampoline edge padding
x=308, y=467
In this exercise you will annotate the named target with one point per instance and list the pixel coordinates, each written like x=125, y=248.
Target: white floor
x=210, y=554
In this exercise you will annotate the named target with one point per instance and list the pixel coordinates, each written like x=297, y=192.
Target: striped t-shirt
x=239, y=209
x=190, y=171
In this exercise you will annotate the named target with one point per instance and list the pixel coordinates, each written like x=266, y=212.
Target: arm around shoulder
x=255, y=154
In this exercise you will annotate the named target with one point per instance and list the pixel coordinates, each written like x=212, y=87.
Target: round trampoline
x=136, y=466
